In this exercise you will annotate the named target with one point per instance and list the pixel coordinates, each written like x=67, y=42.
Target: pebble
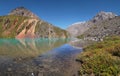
x=9, y=69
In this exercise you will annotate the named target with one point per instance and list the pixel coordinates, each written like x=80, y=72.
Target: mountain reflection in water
x=28, y=47
x=37, y=57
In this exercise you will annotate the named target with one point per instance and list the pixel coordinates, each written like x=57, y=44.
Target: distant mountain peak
x=82, y=22
x=106, y=13
x=21, y=7
x=22, y=11
x=103, y=15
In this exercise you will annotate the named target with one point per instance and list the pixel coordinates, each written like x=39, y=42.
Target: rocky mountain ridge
x=102, y=29
x=84, y=27
x=21, y=23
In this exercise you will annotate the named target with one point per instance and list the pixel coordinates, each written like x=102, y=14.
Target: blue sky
x=62, y=13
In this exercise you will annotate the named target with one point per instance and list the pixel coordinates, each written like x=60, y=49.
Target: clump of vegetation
x=101, y=58
x=80, y=36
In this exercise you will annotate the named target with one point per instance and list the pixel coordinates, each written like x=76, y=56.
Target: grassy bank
x=101, y=58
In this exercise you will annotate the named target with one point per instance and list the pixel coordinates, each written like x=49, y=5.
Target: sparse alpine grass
x=101, y=58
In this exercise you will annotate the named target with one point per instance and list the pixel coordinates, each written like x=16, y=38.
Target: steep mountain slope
x=80, y=28
x=104, y=28
x=21, y=23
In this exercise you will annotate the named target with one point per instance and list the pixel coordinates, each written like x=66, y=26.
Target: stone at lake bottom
x=9, y=69
x=40, y=74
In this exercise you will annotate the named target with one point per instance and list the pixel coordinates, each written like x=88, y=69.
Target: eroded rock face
x=22, y=11
x=29, y=30
x=79, y=28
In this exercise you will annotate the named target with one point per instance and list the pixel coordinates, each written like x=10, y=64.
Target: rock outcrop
x=22, y=11
x=103, y=16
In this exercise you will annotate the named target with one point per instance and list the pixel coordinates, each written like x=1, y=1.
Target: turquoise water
x=37, y=57
x=28, y=47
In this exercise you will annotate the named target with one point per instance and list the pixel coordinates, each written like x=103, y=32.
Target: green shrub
x=101, y=58
x=80, y=37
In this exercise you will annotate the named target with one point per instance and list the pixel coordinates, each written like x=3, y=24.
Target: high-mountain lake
x=37, y=57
